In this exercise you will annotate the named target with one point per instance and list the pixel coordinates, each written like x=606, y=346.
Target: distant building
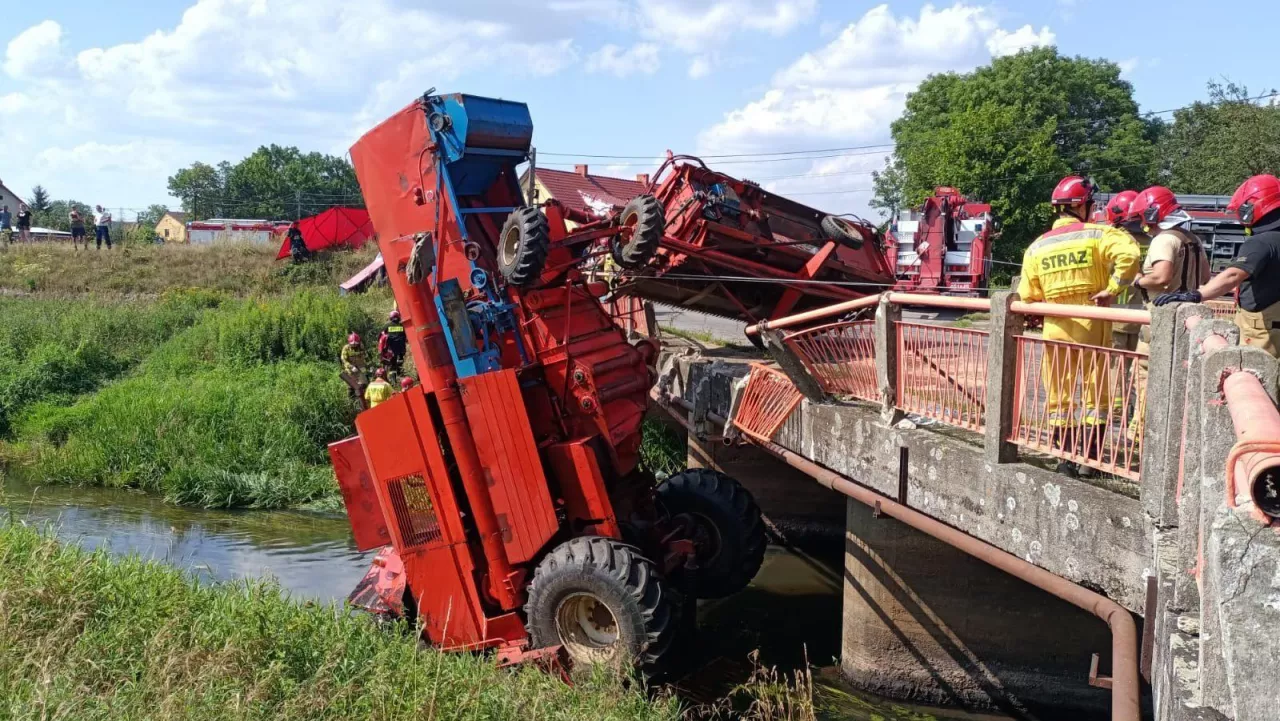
x=172, y=228
x=9, y=198
x=580, y=190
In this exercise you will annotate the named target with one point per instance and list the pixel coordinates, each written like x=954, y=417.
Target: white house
x=9, y=198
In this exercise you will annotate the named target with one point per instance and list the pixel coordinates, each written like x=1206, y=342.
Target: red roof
x=589, y=193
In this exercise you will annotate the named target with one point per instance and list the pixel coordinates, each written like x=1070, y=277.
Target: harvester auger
x=506, y=490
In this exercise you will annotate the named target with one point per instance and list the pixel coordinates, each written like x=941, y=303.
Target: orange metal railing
x=942, y=374
x=767, y=401
x=1080, y=403
x=1225, y=309
x=840, y=356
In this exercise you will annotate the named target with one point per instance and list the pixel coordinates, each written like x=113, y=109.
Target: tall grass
x=55, y=268
x=55, y=349
x=86, y=637
x=232, y=410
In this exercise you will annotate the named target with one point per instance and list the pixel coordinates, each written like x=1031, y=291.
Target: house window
x=166, y=233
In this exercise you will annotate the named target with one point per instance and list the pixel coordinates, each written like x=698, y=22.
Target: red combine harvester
x=506, y=491
x=944, y=246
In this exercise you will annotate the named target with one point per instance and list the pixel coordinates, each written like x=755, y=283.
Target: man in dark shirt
x=392, y=344
x=1256, y=269
x=6, y=230
x=23, y=221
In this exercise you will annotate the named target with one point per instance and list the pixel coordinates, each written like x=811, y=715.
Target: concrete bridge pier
x=928, y=623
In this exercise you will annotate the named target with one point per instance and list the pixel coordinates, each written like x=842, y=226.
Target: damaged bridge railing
x=1075, y=402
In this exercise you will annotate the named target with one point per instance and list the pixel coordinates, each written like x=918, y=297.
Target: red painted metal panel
x=512, y=467
x=401, y=446
x=368, y=524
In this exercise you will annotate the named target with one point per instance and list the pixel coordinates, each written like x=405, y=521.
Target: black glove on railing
x=1182, y=296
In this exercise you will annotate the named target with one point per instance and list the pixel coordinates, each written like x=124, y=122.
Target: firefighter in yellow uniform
x=379, y=391
x=1076, y=263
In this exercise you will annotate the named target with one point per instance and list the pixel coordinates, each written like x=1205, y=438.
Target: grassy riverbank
x=91, y=637
x=207, y=399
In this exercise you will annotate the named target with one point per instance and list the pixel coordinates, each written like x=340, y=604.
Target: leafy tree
x=272, y=183
x=152, y=215
x=39, y=201
x=1007, y=132
x=1212, y=147
x=200, y=187
x=890, y=187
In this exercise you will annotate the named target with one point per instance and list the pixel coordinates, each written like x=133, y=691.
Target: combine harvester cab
x=506, y=490
x=944, y=246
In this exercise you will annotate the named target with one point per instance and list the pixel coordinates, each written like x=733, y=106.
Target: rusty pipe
x=940, y=301
x=668, y=401
x=1090, y=312
x=791, y=321
x=1125, y=704
x=1256, y=455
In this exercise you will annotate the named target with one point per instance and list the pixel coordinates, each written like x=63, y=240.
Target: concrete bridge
x=977, y=574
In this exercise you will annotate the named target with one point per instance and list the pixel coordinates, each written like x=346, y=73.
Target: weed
x=662, y=449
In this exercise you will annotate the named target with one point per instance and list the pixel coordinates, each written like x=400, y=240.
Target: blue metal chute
x=480, y=137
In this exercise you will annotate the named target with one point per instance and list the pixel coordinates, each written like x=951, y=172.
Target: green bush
x=57, y=349
x=222, y=437
x=84, y=636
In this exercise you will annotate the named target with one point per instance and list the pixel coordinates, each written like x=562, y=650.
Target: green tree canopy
x=57, y=214
x=39, y=201
x=1007, y=132
x=274, y=182
x=1212, y=147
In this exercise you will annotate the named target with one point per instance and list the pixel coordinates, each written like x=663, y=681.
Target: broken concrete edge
x=1231, y=639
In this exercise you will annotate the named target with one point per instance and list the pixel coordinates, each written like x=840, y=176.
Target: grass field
x=57, y=269
x=88, y=637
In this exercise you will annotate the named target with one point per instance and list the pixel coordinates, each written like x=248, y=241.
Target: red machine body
x=524, y=434
x=944, y=246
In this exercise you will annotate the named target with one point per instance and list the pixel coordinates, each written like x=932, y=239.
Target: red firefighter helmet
x=1119, y=207
x=394, y=316
x=1155, y=204
x=1073, y=190
x=380, y=374
x=353, y=339
x=1255, y=198
x=406, y=383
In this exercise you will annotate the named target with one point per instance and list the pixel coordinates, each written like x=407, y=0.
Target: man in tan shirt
x=1175, y=262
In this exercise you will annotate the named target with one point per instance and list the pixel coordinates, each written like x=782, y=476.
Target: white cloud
x=847, y=92
x=694, y=25
x=639, y=58
x=1003, y=43
x=1128, y=65
x=38, y=49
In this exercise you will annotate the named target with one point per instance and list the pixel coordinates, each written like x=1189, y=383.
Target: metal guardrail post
x=791, y=364
x=886, y=337
x=1002, y=372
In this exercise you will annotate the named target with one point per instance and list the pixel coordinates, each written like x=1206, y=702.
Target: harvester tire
x=644, y=216
x=730, y=537
x=523, y=246
x=841, y=231
x=602, y=601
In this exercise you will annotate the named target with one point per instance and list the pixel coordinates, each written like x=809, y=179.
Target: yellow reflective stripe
x=1046, y=241
x=395, y=329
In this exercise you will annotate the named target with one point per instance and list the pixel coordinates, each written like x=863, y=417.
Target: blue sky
x=102, y=101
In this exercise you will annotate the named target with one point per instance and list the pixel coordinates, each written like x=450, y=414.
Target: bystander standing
x=103, y=228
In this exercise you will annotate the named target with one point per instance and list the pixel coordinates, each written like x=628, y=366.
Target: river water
x=790, y=613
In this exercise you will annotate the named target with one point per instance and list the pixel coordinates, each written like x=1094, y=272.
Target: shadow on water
x=791, y=612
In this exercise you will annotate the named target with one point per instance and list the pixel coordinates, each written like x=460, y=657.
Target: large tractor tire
x=841, y=231
x=523, y=246
x=646, y=221
x=602, y=601
x=728, y=531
